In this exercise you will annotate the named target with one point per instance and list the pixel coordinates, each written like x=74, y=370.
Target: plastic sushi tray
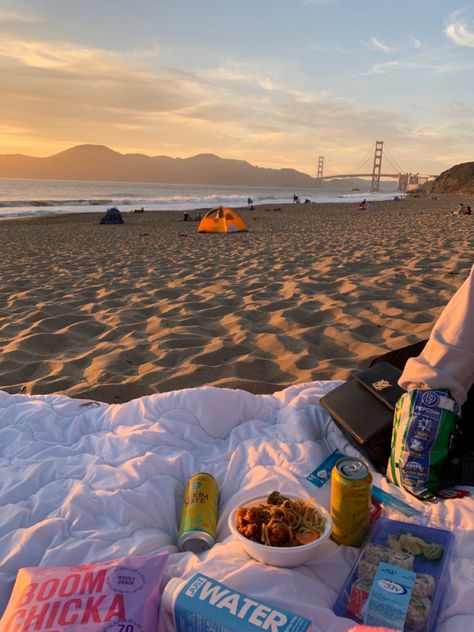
x=423, y=550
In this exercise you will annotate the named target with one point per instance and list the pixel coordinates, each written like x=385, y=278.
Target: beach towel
x=87, y=482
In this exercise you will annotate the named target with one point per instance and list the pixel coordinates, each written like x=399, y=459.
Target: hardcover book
x=363, y=409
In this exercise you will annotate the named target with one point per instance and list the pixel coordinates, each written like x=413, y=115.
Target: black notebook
x=363, y=409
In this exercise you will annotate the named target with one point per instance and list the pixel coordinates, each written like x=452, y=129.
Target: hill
x=457, y=179
x=97, y=162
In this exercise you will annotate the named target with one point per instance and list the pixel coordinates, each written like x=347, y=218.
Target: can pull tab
x=353, y=469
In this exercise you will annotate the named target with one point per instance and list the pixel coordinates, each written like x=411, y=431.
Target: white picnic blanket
x=83, y=481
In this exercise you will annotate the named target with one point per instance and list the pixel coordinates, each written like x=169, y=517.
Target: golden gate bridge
x=406, y=181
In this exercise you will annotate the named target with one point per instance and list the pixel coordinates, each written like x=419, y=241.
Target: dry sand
x=311, y=292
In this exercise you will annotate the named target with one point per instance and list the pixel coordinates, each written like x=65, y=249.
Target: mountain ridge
x=100, y=163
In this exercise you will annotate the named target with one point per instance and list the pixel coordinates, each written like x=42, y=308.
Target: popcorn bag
x=424, y=427
x=121, y=595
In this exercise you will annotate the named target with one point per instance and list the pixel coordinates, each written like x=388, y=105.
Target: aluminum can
x=351, y=485
x=197, y=530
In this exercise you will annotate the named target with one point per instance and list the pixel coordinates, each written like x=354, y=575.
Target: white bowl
x=279, y=555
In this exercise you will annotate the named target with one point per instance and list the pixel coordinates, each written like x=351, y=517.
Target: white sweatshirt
x=447, y=361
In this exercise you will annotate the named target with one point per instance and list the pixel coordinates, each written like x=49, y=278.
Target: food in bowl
x=281, y=521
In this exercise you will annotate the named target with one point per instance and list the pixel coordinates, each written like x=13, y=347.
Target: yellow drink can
x=197, y=530
x=351, y=487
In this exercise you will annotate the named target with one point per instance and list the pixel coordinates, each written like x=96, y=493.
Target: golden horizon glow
x=65, y=85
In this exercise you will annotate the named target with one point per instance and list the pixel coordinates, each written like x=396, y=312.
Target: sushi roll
x=358, y=597
x=400, y=559
x=424, y=585
x=366, y=569
x=376, y=553
x=418, y=613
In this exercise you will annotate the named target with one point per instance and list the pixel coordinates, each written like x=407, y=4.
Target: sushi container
x=425, y=551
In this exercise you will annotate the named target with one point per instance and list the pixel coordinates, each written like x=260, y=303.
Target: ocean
x=23, y=198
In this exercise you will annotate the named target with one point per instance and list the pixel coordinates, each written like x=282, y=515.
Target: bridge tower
x=319, y=177
x=377, y=168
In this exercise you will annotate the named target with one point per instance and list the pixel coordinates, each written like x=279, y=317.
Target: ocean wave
x=205, y=200
x=25, y=198
x=48, y=203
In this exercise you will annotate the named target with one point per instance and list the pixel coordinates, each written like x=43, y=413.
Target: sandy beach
x=311, y=292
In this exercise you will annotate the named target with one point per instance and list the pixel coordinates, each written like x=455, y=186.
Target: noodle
x=281, y=522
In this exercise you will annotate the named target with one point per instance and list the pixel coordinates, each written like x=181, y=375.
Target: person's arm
x=447, y=361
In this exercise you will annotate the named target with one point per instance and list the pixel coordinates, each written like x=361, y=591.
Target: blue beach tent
x=112, y=216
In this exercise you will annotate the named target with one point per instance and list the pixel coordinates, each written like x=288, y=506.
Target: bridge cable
x=390, y=165
x=327, y=167
x=395, y=163
x=365, y=160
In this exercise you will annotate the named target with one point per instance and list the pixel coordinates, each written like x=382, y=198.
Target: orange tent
x=221, y=220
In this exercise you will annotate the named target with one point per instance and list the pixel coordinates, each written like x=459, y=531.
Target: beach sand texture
x=311, y=292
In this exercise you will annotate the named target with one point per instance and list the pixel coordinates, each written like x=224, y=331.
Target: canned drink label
x=350, y=502
x=206, y=604
x=322, y=473
x=200, y=505
x=389, y=597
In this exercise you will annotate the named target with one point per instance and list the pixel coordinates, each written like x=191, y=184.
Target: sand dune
x=311, y=292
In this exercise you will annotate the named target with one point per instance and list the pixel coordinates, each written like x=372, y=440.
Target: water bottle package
x=424, y=428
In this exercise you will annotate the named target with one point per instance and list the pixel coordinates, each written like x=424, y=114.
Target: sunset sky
x=274, y=82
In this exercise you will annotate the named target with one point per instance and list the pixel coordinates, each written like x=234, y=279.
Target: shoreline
x=311, y=292
x=448, y=201
x=51, y=210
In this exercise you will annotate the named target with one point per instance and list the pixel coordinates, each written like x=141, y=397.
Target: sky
x=274, y=82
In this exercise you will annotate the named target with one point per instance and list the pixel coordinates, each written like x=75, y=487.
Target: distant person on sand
x=187, y=217
x=296, y=199
x=467, y=210
x=461, y=210
x=198, y=217
x=363, y=205
x=369, y=206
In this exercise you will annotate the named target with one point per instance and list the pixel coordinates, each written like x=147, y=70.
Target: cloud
x=458, y=31
x=376, y=44
x=439, y=62
x=10, y=17
x=42, y=55
x=335, y=48
x=415, y=42
x=55, y=95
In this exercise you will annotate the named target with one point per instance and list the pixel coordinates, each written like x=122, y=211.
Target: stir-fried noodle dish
x=281, y=521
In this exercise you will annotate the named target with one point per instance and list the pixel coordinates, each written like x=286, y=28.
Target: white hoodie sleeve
x=447, y=361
